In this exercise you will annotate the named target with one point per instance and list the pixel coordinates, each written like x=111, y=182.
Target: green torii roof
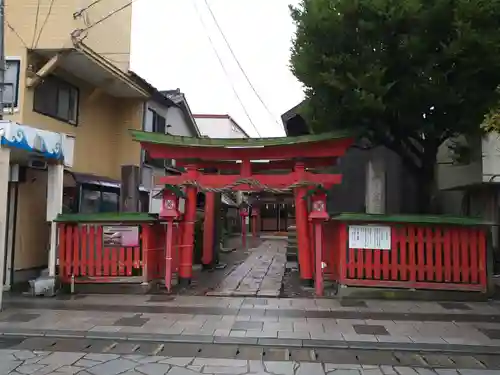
x=181, y=141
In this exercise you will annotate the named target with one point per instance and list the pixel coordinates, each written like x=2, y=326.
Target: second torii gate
x=264, y=164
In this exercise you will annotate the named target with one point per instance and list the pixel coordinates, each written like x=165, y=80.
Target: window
x=155, y=122
x=57, y=98
x=96, y=199
x=110, y=202
x=90, y=202
x=11, y=90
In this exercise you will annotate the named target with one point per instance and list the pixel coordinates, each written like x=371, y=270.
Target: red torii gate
x=200, y=156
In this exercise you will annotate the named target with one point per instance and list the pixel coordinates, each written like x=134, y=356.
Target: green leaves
x=407, y=72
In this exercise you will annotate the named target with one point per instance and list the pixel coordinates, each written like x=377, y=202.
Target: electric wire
x=80, y=12
x=36, y=23
x=101, y=20
x=224, y=67
x=238, y=63
x=16, y=34
x=44, y=23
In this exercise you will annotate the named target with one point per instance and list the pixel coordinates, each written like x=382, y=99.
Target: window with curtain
x=91, y=200
x=57, y=98
x=110, y=202
x=96, y=199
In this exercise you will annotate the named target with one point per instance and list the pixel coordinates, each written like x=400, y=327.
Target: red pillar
x=208, y=230
x=186, y=258
x=254, y=226
x=301, y=222
x=244, y=231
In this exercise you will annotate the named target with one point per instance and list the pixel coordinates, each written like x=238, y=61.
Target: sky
x=171, y=49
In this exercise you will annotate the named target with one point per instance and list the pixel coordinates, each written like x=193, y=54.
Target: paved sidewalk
x=27, y=362
x=261, y=274
x=252, y=321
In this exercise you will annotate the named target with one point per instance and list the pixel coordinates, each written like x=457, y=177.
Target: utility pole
x=2, y=55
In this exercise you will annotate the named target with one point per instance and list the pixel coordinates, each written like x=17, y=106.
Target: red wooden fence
x=422, y=256
x=82, y=254
x=155, y=250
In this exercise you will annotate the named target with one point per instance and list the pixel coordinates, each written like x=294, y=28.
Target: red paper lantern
x=244, y=209
x=318, y=211
x=169, y=205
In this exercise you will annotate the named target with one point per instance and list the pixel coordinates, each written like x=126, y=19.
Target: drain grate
x=376, y=356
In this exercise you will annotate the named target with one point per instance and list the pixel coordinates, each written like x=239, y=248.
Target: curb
x=266, y=342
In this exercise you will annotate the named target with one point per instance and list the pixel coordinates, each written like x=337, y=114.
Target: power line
x=113, y=53
x=36, y=23
x=239, y=64
x=16, y=34
x=80, y=31
x=80, y=12
x=44, y=23
x=224, y=68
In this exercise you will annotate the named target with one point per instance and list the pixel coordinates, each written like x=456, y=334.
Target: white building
x=219, y=126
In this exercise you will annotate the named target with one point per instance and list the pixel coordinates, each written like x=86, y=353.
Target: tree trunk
x=426, y=186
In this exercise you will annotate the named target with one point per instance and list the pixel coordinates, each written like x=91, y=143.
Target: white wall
x=176, y=118
x=491, y=157
x=219, y=128
x=236, y=132
x=173, y=116
x=483, y=167
x=214, y=127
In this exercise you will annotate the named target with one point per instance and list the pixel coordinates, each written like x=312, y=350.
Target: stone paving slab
x=25, y=362
x=141, y=302
x=261, y=274
x=256, y=325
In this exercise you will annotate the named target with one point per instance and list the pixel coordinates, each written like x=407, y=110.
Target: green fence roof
x=414, y=219
x=122, y=217
x=175, y=140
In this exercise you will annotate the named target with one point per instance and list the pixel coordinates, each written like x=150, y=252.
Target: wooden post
x=244, y=231
x=303, y=242
x=168, y=254
x=186, y=256
x=244, y=208
x=208, y=230
x=254, y=226
x=318, y=274
x=301, y=223
x=145, y=245
x=318, y=216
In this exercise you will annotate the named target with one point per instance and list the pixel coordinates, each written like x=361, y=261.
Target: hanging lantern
x=169, y=205
x=244, y=209
x=319, y=211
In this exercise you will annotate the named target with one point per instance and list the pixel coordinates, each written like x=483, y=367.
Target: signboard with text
x=369, y=237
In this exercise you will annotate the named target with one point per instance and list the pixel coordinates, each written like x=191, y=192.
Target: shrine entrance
x=297, y=166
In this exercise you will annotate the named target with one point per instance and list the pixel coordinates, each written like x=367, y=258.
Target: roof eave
x=105, y=64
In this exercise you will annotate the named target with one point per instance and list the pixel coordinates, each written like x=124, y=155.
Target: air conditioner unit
x=37, y=164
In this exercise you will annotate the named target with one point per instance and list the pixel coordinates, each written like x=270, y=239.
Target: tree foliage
x=407, y=73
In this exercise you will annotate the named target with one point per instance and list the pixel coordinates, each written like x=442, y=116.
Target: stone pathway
x=261, y=274
x=258, y=321
x=26, y=362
